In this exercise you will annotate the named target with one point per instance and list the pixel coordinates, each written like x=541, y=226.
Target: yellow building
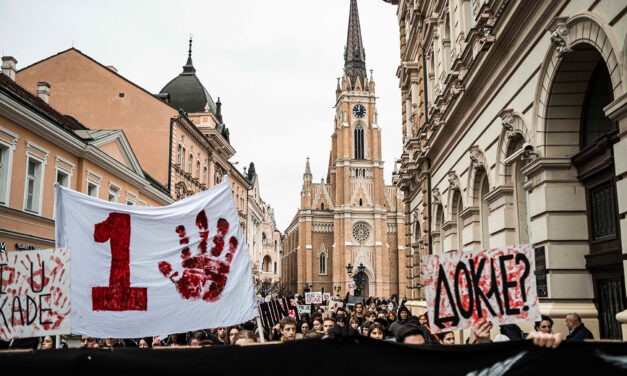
x=351, y=219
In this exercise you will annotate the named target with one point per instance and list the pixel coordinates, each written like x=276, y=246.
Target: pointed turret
x=307, y=174
x=305, y=199
x=371, y=85
x=189, y=66
x=354, y=52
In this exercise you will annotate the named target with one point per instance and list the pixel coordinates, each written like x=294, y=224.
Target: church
x=349, y=227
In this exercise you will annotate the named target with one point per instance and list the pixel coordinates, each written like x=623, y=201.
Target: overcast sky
x=272, y=63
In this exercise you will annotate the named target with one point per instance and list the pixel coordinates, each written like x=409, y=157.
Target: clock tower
x=351, y=226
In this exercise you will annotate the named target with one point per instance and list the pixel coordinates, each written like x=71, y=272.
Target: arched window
x=191, y=163
x=458, y=207
x=322, y=262
x=183, y=160
x=361, y=202
x=439, y=220
x=198, y=169
x=267, y=264
x=204, y=174
x=359, y=142
x=322, y=206
x=178, y=155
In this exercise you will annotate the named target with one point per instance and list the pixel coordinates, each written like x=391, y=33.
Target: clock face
x=359, y=111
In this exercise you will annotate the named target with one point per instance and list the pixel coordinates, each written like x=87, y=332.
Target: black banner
x=347, y=356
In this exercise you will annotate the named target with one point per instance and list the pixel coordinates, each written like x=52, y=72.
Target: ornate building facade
x=352, y=218
x=515, y=132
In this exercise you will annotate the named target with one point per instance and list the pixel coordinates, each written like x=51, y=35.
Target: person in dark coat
x=576, y=330
x=401, y=316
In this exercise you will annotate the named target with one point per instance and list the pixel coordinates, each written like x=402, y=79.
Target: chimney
x=43, y=91
x=8, y=66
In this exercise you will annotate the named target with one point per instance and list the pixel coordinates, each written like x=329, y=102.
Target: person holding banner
x=545, y=325
x=47, y=343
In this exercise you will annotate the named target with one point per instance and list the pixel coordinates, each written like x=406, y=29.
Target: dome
x=187, y=92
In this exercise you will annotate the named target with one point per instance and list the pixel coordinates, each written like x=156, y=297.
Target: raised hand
x=204, y=275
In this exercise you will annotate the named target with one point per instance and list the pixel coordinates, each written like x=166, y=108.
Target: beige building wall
x=30, y=130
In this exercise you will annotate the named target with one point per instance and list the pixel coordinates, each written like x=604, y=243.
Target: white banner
x=496, y=284
x=34, y=293
x=144, y=271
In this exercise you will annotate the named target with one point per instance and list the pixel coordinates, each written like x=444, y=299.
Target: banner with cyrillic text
x=496, y=284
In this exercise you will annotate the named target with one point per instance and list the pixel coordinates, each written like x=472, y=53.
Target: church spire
x=189, y=67
x=354, y=52
x=307, y=174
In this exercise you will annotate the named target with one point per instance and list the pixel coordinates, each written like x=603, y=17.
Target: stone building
x=515, y=132
x=351, y=219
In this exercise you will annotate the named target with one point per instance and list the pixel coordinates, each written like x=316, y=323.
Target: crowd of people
x=380, y=319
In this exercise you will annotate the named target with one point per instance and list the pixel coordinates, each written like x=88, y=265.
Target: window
x=63, y=178
x=359, y=142
x=92, y=189
x=603, y=211
x=323, y=262
x=204, y=174
x=460, y=221
x=178, y=155
x=114, y=193
x=5, y=173
x=198, y=169
x=131, y=198
x=34, y=180
x=191, y=163
x=361, y=232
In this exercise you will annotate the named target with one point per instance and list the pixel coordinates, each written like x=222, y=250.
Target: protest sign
x=335, y=304
x=313, y=297
x=326, y=296
x=496, y=284
x=271, y=312
x=34, y=293
x=304, y=308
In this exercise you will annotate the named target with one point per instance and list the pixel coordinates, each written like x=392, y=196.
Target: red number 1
x=119, y=295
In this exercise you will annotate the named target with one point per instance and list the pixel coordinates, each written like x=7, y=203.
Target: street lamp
x=361, y=267
x=349, y=269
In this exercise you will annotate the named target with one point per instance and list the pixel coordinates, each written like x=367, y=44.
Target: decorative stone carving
x=452, y=180
x=559, y=35
x=435, y=196
x=476, y=157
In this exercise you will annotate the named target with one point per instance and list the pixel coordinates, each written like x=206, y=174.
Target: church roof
x=187, y=92
x=354, y=53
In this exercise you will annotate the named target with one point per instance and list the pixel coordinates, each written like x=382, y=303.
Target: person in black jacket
x=576, y=330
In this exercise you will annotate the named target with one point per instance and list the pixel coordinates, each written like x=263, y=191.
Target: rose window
x=361, y=232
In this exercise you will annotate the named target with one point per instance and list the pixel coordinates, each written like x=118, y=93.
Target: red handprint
x=204, y=277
